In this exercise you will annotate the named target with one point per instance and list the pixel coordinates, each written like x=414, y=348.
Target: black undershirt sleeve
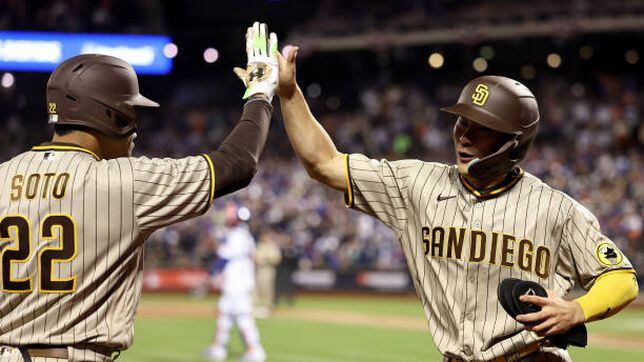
x=235, y=160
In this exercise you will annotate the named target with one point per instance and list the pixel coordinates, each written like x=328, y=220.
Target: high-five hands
x=261, y=73
x=287, y=82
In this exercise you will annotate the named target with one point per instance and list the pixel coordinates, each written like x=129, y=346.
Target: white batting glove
x=261, y=73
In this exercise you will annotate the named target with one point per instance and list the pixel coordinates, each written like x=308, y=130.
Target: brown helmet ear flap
x=495, y=164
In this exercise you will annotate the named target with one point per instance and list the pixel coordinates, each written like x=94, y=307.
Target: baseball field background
x=338, y=328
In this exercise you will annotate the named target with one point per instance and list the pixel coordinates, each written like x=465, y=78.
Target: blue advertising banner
x=42, y=51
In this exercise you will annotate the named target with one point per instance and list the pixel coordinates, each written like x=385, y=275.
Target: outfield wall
x=312, y=282
x=187, y=280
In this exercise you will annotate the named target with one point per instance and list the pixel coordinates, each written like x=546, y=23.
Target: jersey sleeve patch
x=608, y=254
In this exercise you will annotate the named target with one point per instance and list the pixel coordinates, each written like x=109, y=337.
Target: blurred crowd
x=321, y=17
x=351, y=16
x=137, y=16
x=589, y=146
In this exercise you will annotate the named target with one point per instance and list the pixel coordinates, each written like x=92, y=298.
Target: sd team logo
x=480, y=95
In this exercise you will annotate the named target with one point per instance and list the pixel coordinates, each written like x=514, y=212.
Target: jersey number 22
x=65, y=251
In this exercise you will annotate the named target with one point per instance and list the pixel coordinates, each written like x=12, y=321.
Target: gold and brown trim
x=348, y=194
x=628, y=270
x=212, y=180
x=506, y=184
x=56, y=147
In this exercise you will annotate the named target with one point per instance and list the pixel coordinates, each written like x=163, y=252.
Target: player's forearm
x=311, y=143
x=611, y=293
x=235, y=160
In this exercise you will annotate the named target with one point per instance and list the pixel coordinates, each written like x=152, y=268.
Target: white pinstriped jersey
x=460, y=244
x=72, y=229
x=238, y=248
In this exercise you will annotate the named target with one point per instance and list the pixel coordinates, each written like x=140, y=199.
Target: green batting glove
x=261, y=73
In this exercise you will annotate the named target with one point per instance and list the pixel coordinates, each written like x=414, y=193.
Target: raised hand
x=287, y=82
x=260, y=75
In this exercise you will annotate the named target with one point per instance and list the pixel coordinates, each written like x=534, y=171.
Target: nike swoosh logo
x=443, y=198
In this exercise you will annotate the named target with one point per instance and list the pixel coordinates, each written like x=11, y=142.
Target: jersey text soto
x=38, y=185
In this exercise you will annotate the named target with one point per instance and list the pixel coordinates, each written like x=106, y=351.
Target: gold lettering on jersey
x=495, y=238
x=46, y=181
x=61, y=185
x=476, y=246
x=525, y=255
x=507, y=250
x=479, y=97
x=52, y=108
x=32, y=186
x=39, y=184
x=437, y=242
x=542, y=262
x=425, y=232
x=455, y=243
x=16, y=187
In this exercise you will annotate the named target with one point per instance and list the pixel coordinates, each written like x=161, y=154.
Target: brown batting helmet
x=95, y=91
x=506, y=106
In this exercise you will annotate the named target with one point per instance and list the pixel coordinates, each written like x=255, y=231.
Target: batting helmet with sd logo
x=95, y=91
x=506, y=106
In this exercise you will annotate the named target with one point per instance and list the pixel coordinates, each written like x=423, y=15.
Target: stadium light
x=170, y=50
x=632, y=57
x=528, y=72
x=313, y=90
x=333, y=103
x=578, y=90
x=436, y=60
x=487, y=52
x=210, y=55
x=479, y=64
x=586, y=52
x=8, y=80
x=553, y=60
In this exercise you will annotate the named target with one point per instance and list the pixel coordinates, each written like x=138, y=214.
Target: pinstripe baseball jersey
x=461, y=243
x=72, y=229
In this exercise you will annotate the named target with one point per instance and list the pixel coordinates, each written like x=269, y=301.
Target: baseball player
x=235, y=275
x=267, y=256
x=75, y=212
x=466, y=227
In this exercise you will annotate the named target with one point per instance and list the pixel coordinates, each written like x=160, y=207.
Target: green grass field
x=338, y=328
